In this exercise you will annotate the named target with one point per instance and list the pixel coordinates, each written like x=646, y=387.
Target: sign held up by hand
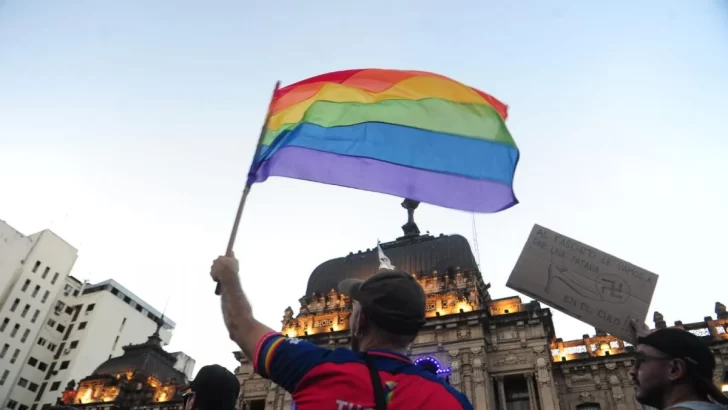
x=584, y=282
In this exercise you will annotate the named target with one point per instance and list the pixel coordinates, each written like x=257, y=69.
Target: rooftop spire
x=410, y=228
x=155, y=338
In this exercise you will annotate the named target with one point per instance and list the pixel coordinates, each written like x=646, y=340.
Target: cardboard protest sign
x=584, y=282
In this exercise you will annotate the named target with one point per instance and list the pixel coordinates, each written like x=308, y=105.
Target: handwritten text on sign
x=582, y=281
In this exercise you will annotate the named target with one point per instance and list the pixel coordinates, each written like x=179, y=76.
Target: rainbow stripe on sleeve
x=264, y=352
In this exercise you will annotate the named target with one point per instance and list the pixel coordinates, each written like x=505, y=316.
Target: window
x=4, y=350
x=25, y=285
x=25, y=311
x=55, y=278
x=33, y=387
x=64, y=365
x=22, y=407
x=42, y=366
x=68, y=288
x=15, y=356
x=516, y=393
x=45, y=272
x=34, y=406
x=257, y=404
x=69, y=310
x=32, y=361
x=52, y=347
x=41, y=341
x=12, y=404
x=59, y=306
x=73, y=344
x=588, y=406
x=60, y=328
x=15, y=330
x=51, y=322
x=90, y=307
x=4, y=324
x=4, y=378
x=45, y=297
x=36, y=266
x=35, y=291
x=55, y=386
x=75, y=292
x=15, y=304
x=25, y=336
x=35, y=316
x=23, y=382
x=82, y=325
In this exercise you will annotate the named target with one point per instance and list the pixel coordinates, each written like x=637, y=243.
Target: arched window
x=589, y=406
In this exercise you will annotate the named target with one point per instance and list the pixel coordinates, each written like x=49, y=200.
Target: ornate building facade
x=144, y=377
x=502, y=353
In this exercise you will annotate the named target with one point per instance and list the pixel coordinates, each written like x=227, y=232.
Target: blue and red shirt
x=338, y=379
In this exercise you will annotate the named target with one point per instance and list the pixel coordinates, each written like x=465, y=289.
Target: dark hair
x=209, y=402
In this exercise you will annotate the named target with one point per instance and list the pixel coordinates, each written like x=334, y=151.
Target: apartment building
x=55, y=329
x=33, y=269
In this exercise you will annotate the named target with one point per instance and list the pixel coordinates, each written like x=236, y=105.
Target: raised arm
x=275, y=357
x=236, y=310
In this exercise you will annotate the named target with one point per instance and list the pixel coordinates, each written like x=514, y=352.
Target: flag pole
x=246, y=190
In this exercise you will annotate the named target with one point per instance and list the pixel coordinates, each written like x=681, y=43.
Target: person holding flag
x=388, y=311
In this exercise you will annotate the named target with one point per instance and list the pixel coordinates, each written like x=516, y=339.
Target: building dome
x=424, y=255
x=413, y=253
x=148, y=359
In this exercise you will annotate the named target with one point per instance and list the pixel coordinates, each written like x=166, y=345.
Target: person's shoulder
x=344, y=355
x=447, y=394
x=461, y=398
x=698, y=405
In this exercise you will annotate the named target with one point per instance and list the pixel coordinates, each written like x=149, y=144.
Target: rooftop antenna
x=164, y=311
x=475, y=242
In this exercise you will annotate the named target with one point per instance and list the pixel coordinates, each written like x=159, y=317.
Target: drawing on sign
x=607, y=288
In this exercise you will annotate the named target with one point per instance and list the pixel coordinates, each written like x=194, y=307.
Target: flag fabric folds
x=411, y=134
x=384, y=262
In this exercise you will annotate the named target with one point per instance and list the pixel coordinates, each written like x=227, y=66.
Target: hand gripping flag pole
x=248, y=184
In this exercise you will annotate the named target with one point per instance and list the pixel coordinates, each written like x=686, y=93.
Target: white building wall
x=51, y=345
x=101, y=333
x=14, y=248
x=185, y=364
x=37, y=273
x=66, y=338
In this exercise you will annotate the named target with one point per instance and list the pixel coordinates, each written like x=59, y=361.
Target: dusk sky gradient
x=127, y=127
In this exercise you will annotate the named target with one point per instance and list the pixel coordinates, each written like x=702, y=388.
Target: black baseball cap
x=216, y=387
x=391, y=299
x=681, y=344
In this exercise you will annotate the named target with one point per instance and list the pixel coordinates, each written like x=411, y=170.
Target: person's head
x=674, y=365
x=388, y=310
x=214, y=388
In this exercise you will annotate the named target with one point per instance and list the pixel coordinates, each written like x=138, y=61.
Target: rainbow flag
x=411, y=134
